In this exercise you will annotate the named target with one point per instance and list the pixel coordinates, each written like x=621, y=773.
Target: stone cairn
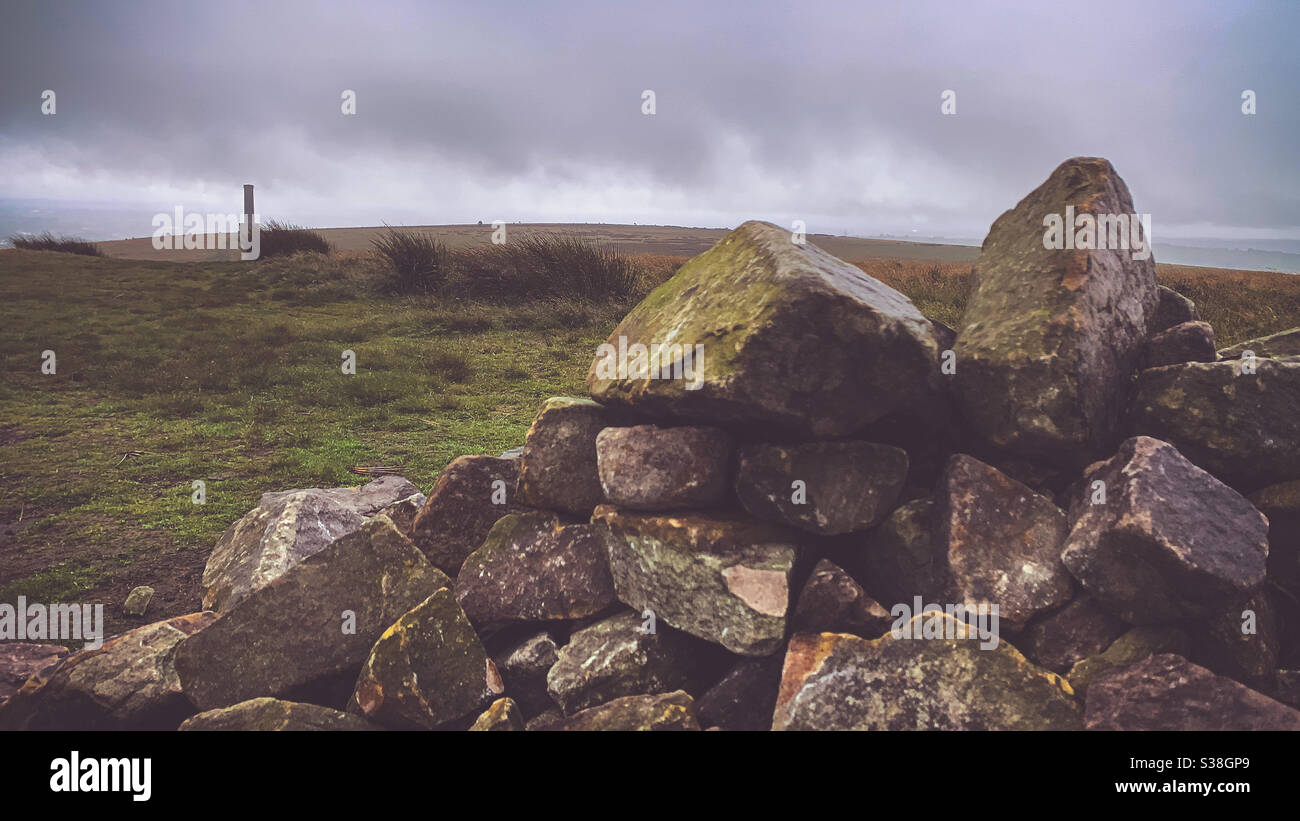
x=782, y=471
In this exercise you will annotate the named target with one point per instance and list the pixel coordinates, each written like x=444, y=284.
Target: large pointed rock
x=317, y=621
x=721, y=577
x=130, y=683
x=764, y=330
x=1167, y=692
x=1002, y=541
x=1050, y=337
x=1242, y=427
x=827, y=488
x=532, y=568
x=472, y=493
x=1168, y=542
x=834, y=681
x=427, y=669
x=275, y=715
x=287, y=527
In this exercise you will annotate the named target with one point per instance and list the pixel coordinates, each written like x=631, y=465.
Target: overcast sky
x=532, y=111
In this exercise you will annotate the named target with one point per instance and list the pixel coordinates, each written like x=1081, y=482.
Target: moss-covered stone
x=275, y=715
x=502, y=716
x=643, y=713
x=426, y=670
x=1133, y=646
x=788, y=334
x=835, y=681
x=724, y=578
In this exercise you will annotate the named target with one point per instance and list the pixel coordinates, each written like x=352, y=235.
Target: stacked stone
x=781, y=463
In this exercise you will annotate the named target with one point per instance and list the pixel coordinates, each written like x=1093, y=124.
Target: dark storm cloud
x=826, y=112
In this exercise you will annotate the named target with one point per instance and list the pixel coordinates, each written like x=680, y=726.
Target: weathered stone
x=618, y=657
x=744, y=698
x=834, y=681
x=523, y=668
x=1081, y=629
x=502, y=715
x=788, y=336
x=1051, y=337
x=1242, y=643
x=1169, y=542
x=285, y=528
x=403, y=512
x=532, y=568
x=20, y=660
x=1282, y=343
x=1188, y=342
x=1242, y=427
x=129, y=683
x=720, y=577
x=471, y=495
x=1002, y=541
x=846, y=486
x=558, y=470
x=1168, y=692
x=137, y=601
x=1130, y=648
x=1172, y=309
x=832, y=602
x=1287, y=685
x=647, y=467
x=669, y=711
x=544, y=722
x=904, y=558
x=274, y=715
x=426, y=670
x=298, y=630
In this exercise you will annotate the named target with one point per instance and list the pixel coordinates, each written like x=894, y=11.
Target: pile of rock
x=782, y=470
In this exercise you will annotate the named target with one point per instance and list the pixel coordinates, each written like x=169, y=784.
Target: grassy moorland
x=230, y=373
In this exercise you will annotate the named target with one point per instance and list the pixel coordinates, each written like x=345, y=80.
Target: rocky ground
x=1103, y=509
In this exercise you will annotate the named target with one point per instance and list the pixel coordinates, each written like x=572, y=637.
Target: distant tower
x=248, y=206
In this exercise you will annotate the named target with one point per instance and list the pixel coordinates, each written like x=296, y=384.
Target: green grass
x=231, y=373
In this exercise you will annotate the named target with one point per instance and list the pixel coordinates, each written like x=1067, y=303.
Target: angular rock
x=834, y=681
x=1172, y=309
x=1242, y=427
x=1188, y=342
x=904, y=558
x=1002, y=541
x=1170, y=542
x=647, y=467
x=761, y=330
x=1130, y=648
x=846, y=486
x=1280, y=344
x=295, y=632
x=669, y=711
x=524, y=667
x=285, y=528
x=744, y=698
x=558, y=469
x=1168, y=692
x=129, y=683
x=1081, y=629
x=403, y=512
x=1051, y=337
x=471, y=495
x=20, y=660
x=274, y=715
x=532, y=568
x=503, y=715
x=720, y=577
x=426, y=670
x=832, y=602
x=616, y=657
x=137, y=601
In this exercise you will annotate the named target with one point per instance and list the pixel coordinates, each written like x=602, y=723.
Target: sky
x=826, y=112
